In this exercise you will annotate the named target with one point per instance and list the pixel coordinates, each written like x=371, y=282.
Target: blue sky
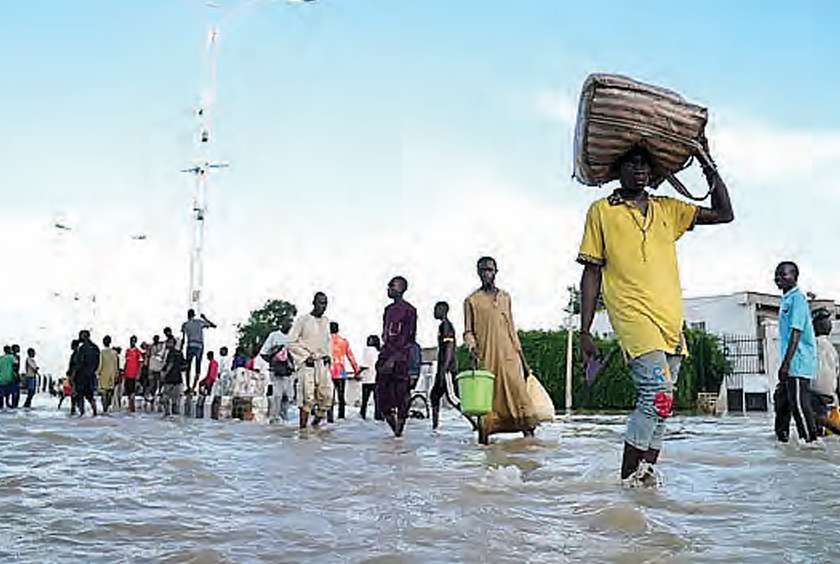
x=371, y=137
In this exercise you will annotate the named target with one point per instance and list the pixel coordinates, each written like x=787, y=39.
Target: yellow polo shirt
x=641, y=280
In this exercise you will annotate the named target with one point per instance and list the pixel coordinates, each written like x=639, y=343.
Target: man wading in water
x=798, y=351
x=311, y=349
x=399, y=329
x=629, y=243
x=491, y=338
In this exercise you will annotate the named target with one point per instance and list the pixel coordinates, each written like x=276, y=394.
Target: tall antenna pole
x=204, y=166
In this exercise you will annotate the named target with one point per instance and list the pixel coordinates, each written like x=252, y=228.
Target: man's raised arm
x=721, y=210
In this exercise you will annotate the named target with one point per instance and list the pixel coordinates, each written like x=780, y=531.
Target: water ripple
x=141, y=488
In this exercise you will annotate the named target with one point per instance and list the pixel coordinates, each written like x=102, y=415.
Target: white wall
x=771, y=354
x=723, y=315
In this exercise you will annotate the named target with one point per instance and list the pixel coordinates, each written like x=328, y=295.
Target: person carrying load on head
x=628, y=251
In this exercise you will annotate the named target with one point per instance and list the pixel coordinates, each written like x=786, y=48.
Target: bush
x=545, y=351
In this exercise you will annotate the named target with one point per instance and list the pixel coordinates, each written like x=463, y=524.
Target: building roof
x=764, y=300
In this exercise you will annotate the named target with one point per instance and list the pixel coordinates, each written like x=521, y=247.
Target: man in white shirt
x=367, y=375
x=827, y=381
x=223, y=384
x=275, y=352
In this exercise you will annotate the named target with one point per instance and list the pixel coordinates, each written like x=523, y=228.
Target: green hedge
x=702, y=371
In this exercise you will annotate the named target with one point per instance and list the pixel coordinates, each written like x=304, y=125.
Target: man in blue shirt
x=798, y=353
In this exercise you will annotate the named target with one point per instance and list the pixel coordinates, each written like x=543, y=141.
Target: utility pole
x=201, y=170
x=204, y=165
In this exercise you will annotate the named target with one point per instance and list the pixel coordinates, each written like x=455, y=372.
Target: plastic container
x=475, y=388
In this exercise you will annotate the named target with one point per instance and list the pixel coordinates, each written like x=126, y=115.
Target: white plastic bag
x=541, y=400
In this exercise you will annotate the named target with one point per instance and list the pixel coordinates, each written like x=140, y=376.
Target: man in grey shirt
x=193, y=335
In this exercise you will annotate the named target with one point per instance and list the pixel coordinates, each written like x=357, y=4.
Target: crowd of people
x=156, y=371
x=309, y=361
x=628, y=253
x=13, y=381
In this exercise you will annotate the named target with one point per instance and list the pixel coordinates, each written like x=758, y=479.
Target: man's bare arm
x=590, y=289
x=721, y=210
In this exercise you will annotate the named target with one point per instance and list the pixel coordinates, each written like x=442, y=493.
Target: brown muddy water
x=144, y=489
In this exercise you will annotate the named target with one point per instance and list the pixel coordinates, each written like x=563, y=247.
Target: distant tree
x=573, y=306
x=261, y=322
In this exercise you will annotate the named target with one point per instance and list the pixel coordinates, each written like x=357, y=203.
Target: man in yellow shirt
x=629, y=250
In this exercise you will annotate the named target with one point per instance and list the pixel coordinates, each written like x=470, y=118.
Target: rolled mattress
x=617, y=113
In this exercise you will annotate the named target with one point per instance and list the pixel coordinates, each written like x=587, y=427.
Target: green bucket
x=475, y=388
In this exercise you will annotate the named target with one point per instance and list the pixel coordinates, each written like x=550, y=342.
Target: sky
x=369, y=138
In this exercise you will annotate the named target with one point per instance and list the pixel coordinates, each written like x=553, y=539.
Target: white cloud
x=764, y=153
x=559, y=106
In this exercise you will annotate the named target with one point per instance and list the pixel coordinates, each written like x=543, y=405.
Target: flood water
x=141, y=488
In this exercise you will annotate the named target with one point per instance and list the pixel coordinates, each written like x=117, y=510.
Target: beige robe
x=490, y=330
x=106, y=374
x=310, y=337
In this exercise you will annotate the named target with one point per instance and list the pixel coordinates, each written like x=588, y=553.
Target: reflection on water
x=142, y=489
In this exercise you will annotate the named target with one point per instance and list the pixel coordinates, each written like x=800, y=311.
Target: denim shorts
x=655, y=376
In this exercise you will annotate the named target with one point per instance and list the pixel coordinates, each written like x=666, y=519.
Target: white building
x=748, y=325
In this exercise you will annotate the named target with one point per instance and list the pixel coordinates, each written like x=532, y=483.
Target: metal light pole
x=204, y=165
x=569, y=352
x=201, y=171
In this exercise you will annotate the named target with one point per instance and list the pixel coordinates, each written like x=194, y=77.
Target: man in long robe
x=107, y=373
x=399, y=330
x=310, y=345
x=491, y=338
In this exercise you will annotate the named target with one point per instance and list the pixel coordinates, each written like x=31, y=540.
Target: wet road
x=143, y=489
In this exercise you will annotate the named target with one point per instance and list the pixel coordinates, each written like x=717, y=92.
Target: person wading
x=367, y=375
x=399, y=329
x=31, y=377
x=340, y=351
x=311, y=349
x=84, y=381
x=629, y=245
x=106, y=373
x=798, y=351
x=447, y=363
x=276, y=353
x=133, y=365
x=172, y=379
x=491, y=338
x=827, y=381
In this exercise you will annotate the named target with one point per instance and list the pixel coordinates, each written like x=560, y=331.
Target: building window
x=698, y=325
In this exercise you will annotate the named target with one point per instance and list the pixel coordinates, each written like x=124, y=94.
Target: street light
x=205, y=165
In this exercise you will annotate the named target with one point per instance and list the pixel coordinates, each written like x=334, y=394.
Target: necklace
x=642, y=227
